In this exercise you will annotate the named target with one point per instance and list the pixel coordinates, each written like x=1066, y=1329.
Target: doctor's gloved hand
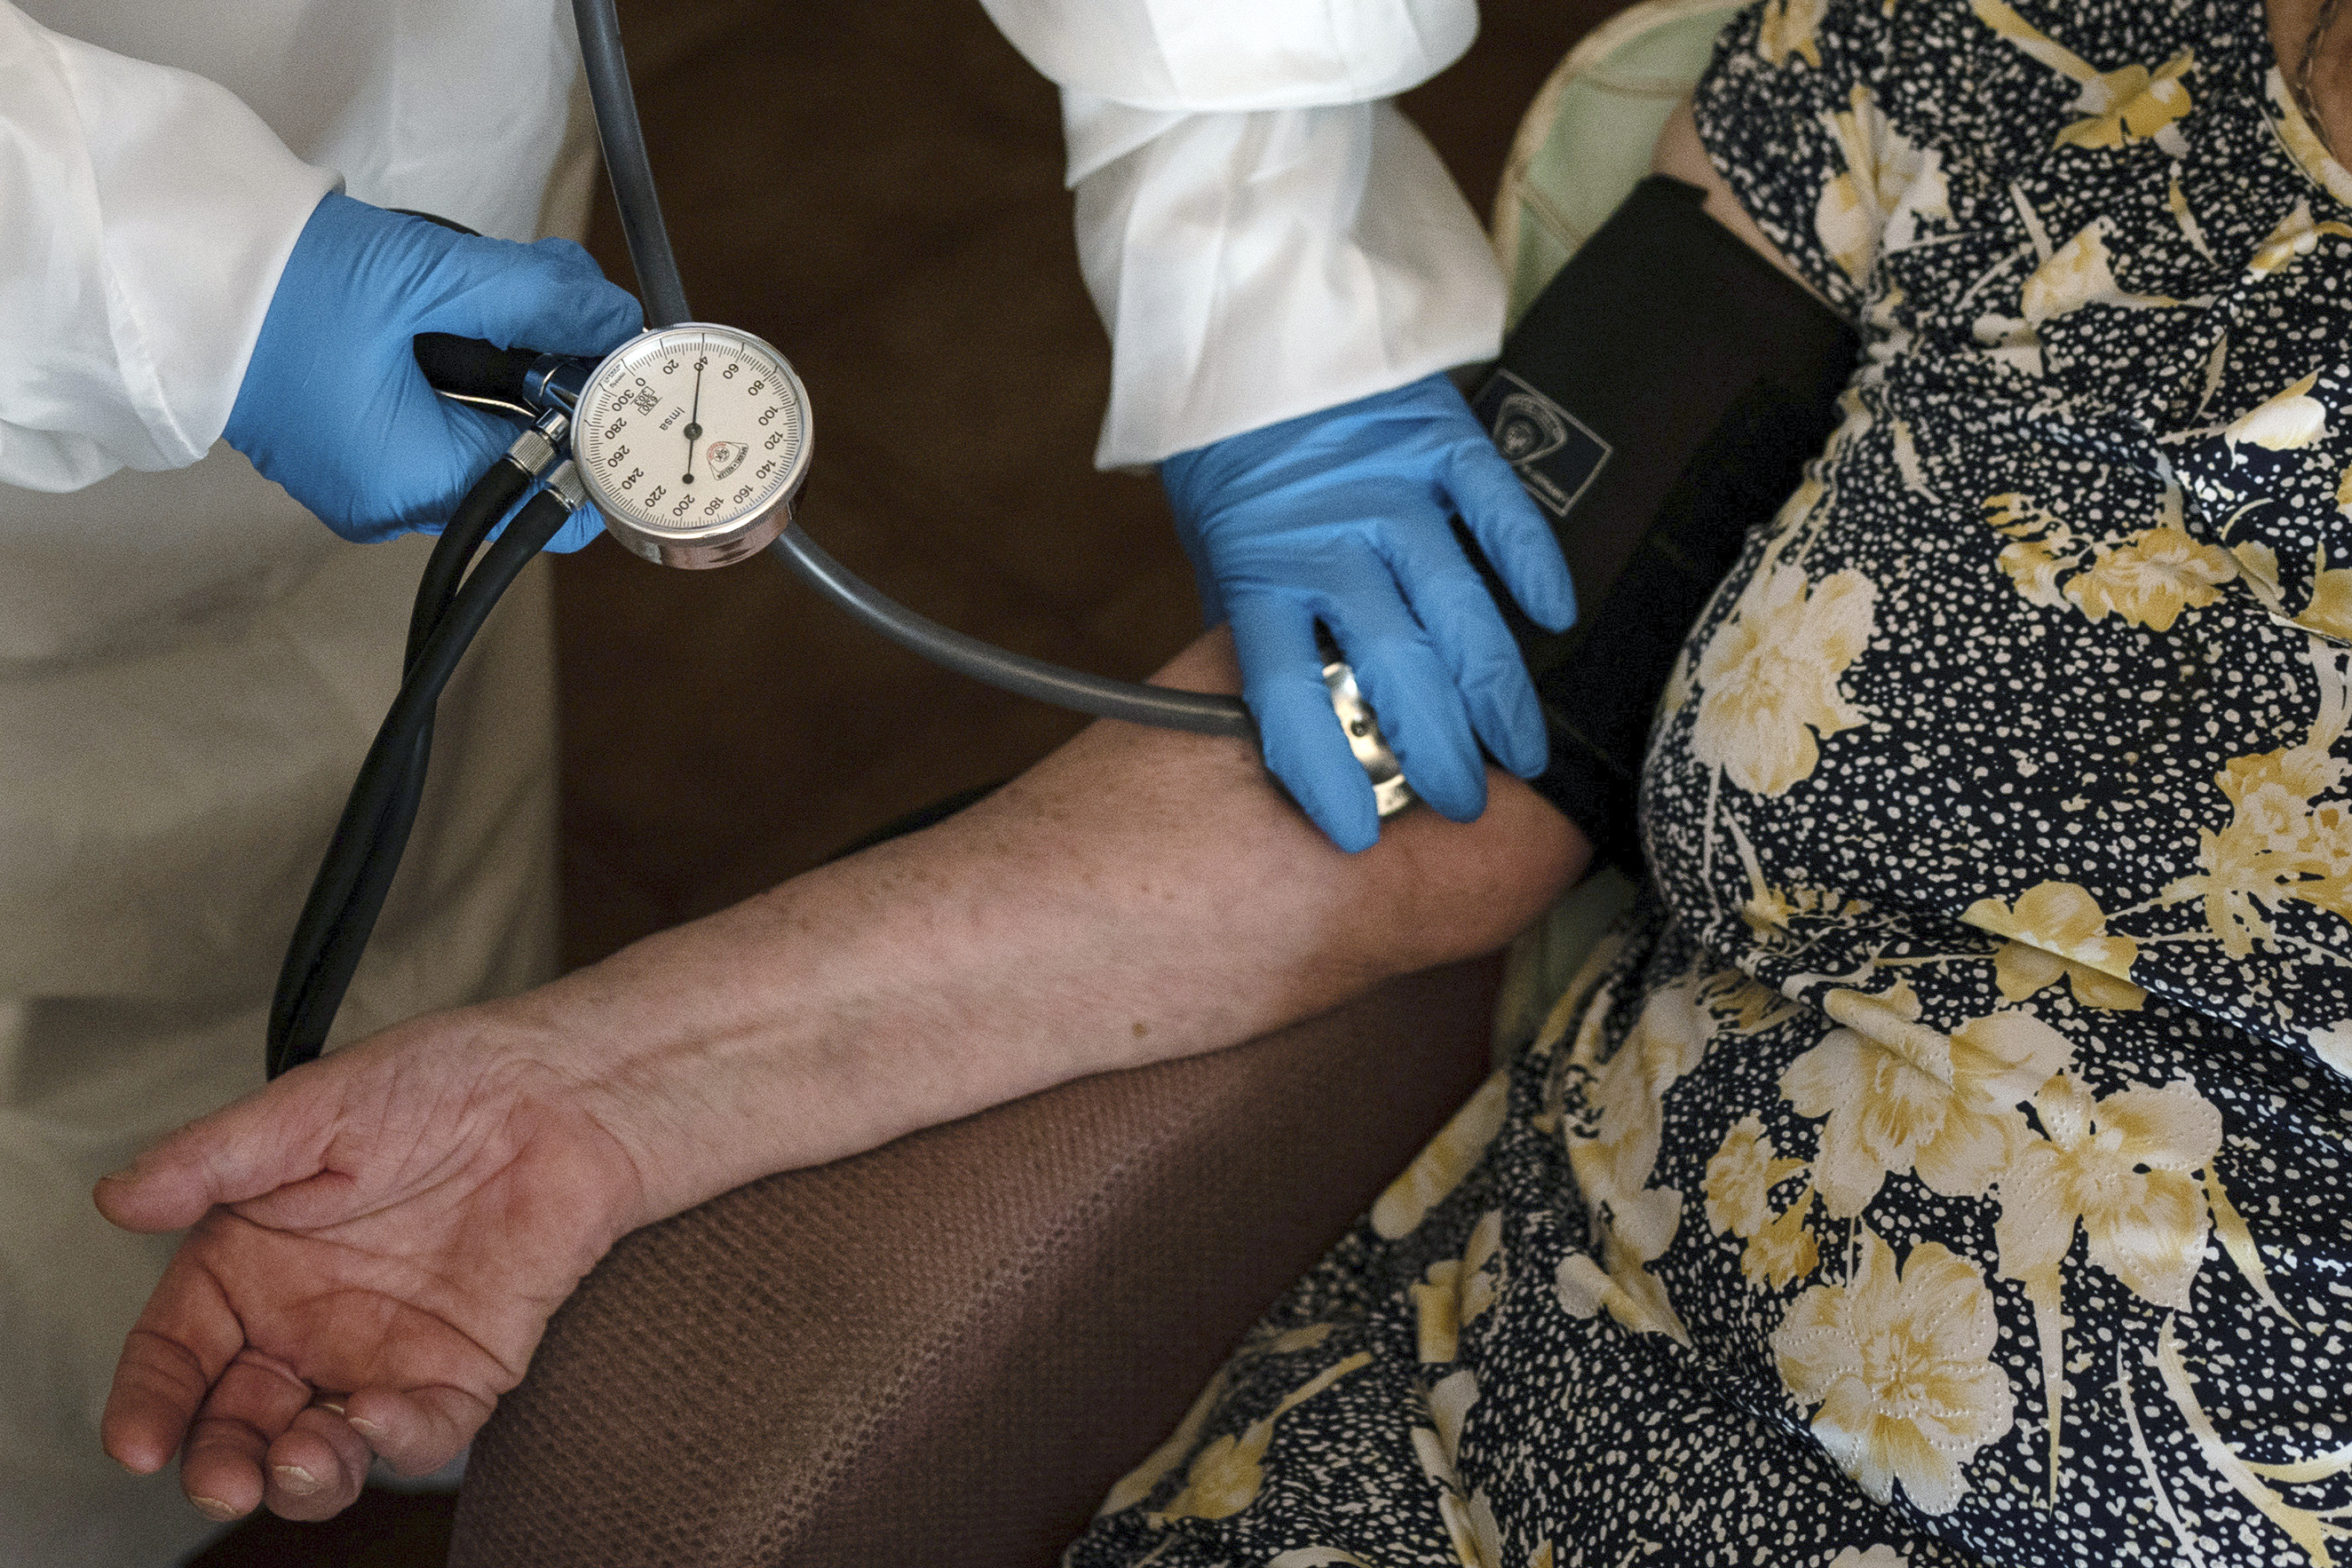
x=1342, y=517
x=333, y=406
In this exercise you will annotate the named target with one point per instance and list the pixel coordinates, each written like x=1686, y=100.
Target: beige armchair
x=947, y=1349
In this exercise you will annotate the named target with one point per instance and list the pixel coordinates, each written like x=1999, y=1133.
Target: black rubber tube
x=349, y=893
x=469, y=367
x=490, y=498
x=351, y=849
x=623, y=141
x=1199, y=711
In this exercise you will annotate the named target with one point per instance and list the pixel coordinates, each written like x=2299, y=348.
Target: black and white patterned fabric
x=1946, y=1164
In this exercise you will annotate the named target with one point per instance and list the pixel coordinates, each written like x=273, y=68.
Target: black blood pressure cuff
x=1659, y=399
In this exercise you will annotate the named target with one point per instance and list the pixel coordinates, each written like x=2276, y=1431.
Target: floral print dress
x=1947, y=1162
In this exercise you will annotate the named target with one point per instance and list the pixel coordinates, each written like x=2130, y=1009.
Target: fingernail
x=331, y=1404
x=295, y=1479
x=366, y=1428
x=214, y=1509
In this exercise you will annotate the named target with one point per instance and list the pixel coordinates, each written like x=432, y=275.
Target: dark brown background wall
x=874, y=186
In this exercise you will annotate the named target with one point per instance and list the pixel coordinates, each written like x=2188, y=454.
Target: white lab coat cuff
x=1252, y=268
x=1236, y=55
x=151, y=214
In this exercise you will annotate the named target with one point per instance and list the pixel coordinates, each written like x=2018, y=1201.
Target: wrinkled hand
x=1344, y=517
x=333, y=406
x=379, y=1239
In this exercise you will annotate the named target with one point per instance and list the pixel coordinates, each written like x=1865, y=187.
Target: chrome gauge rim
x=692, y=441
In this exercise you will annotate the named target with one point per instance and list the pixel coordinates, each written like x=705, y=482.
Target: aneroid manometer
x=692, y=441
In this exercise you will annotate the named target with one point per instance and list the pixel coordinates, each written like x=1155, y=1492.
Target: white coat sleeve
x=145, y=215
x=1263, y=234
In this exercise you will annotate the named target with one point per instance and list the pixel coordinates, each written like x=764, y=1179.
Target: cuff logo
x=1556, y=455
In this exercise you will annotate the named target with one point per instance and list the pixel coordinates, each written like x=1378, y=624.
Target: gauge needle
x=693, y=426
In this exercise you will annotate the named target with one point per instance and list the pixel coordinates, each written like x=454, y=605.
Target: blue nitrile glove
x=1342, y=517
x=332, y=405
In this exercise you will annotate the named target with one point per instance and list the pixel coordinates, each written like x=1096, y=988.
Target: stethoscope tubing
x=663, y=292
x=1165, y=707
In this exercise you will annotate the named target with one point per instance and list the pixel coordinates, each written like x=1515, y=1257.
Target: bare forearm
x=1139, y=895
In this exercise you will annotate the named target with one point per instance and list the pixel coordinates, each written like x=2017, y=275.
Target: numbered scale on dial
x=692, y=441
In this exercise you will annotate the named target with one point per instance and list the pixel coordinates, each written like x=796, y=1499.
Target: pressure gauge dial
x=692, y=441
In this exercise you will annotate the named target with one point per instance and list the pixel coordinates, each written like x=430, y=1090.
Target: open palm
x=379, y=1239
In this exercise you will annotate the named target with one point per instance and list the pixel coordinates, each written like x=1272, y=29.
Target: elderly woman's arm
x=381, y=1237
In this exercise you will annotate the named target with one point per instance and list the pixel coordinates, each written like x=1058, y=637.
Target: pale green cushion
x=1586, y=139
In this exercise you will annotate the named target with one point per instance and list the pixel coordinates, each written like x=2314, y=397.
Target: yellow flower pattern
x=2130, y=103
x=1898, y=1366
x=2145, y=578
x=2078, y=273
x=1455, y=1290
x=1632, y=1222
x=1768, y=679
x=2040, y=545
x=2151, y=580
x=1945, y=1158
x=1226, y=1476
x=2297, y=235
x=1889, y=184
x=1441, y=1166
x=1787, y=31
x=1740, y=1179
x=2287, y=842
x=1785, y=1250
x=1468, y=1516
x=2286, y=421
x=2121, y=1165
x=1900, y=1097
x=2055, y=932
x=2328, y=609
x=2329, y=612
x=1738, y=1004
x=1740, y=1184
